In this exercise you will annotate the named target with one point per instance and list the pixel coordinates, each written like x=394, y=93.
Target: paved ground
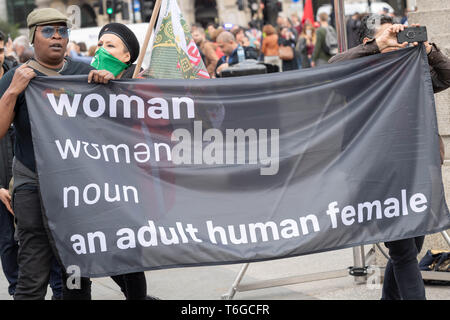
x=210, y=283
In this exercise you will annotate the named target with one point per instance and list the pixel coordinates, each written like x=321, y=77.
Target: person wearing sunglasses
x=49, y=35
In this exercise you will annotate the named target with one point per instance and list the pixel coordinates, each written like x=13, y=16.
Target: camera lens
x=410, y=34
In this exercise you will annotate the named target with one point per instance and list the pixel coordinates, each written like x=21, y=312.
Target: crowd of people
x=291, y=44
x=28, y=258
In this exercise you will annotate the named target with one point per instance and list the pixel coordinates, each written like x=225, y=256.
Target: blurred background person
x=22, y=47
x=74, y=52
x=214, y=36
x=296, y=23
x=6, y=63
x=281, y=23
x=254, y=35
x=82, y=49
x=207, y=50
x=195, y=26
x=287, y=39
x=210, y=30
x=234, y=53
x=353, y=26
x=28, y=54
x=91, y=51
x=320, y=56
x=8, y=246
x=291, y=28
x=305, y=45
x=270, y=47
x=241, y=37
x=404, y=19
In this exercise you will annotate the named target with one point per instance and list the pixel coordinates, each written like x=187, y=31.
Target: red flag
x=308, y=13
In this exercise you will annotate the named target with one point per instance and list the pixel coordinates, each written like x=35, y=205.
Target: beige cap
x=45, y=16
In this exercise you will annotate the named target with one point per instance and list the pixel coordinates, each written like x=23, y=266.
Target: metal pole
x=446, y=237
x=230, y=294
x=105, y=15
x=339, y=18
x=148, y=35
x=339, y=15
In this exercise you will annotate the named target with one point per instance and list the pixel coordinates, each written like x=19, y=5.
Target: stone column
x=3, y=11
x=42, y=3
x=188, y=11
x=228, y=13
x=435, y=15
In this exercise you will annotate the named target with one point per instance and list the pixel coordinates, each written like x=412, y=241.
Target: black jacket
x=6, y=156
x=7, y=142
x=9, y=63
x=439, y=63
x=128, y=74
x=250, y=53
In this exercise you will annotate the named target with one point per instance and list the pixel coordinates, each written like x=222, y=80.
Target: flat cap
x=45, y=16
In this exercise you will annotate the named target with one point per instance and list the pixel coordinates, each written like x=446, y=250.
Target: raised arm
x=19, y=82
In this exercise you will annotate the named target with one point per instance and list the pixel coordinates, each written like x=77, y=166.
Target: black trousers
x=8, y=248
x=35, y=254
x=402, y=278
x=133, y=286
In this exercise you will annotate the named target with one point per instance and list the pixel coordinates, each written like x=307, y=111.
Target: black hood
x=9, y=63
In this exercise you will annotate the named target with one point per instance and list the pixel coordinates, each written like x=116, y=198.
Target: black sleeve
x=439, y=69
x=362, y=50
x=219, y=63
x=5, y=82
x=76, y=67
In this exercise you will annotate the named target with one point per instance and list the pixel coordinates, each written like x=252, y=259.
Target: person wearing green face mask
x=117, y=50
x=103, y=60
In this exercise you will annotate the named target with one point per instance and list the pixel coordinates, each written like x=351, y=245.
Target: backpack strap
x=39, y=67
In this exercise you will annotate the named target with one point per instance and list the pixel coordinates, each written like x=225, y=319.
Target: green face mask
x=103, y=60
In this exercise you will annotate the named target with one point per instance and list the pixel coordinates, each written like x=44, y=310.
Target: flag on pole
x=174, y=52
x=308, y=13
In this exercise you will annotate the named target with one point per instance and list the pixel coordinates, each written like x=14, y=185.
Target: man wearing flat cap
x=49, y=34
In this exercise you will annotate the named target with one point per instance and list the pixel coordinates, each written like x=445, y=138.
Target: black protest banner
x=144, y=174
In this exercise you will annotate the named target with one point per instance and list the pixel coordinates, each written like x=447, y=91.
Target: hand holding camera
x=415, y=34
x=398, y=36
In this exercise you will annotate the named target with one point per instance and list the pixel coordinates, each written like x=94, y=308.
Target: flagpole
x=339, y=15
x=339, y=18
x=151, y=26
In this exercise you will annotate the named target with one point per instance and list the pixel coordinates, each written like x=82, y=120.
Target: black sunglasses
x=48, y=31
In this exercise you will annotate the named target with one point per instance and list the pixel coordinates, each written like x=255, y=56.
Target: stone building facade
x=219, y=11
